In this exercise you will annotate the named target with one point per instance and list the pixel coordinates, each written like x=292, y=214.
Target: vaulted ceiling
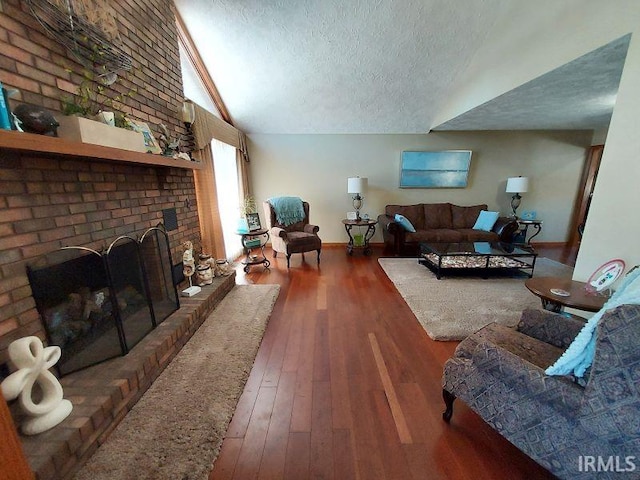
x=379, y=66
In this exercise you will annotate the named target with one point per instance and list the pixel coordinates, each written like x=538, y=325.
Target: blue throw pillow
x=404, y=221
x=486, y=220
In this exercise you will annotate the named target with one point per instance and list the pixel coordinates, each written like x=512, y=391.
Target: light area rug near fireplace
x=454, y=307
x=176, y=429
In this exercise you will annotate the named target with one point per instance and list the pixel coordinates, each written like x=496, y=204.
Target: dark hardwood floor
x=347, y=385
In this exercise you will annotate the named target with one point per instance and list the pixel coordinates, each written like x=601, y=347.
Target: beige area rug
x=454, y=307
x=175, y=431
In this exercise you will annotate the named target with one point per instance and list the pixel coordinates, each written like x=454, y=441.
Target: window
x=226, y=171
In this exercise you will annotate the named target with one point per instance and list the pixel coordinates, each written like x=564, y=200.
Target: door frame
x=585, y=192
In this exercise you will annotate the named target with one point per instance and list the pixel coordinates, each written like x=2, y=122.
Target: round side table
x=371, y=229
x=577, y=296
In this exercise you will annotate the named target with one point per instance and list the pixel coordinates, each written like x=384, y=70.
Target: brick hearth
x=103, y=394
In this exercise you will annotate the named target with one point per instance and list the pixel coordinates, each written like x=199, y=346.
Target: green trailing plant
x=91, y=96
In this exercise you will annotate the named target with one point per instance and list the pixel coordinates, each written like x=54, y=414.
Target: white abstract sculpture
x=33, y=361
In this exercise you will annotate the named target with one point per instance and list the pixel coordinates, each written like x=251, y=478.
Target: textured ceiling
x=369, y=66
x=578, y=95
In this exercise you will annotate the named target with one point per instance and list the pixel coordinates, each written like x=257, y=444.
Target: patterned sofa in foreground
x=575, y=430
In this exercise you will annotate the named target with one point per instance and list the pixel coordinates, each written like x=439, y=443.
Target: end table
x=523, y=227
x=364, y=245
x=251, y=240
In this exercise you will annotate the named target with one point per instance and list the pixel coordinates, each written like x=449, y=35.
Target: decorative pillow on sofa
x=404, y=222
x=486, y=220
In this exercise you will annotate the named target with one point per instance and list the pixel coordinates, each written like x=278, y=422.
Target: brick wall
x=48, y=202
x=36, y=65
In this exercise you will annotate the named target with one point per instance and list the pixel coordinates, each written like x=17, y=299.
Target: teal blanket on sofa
x=289, y=210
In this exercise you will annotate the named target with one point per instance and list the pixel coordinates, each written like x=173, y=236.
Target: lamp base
x=357, y=205
x=515, y=203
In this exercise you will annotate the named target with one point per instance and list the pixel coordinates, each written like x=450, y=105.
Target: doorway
x=585, y=192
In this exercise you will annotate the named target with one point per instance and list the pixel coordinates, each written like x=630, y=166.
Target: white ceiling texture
x=379, y=66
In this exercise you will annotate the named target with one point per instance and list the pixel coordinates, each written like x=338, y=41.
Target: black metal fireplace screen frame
x=96, y=305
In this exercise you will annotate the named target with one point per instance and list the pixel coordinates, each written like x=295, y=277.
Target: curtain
x=207, y=126
x=207, y=198
x=242, y=159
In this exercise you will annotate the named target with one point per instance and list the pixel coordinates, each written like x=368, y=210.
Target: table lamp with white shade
x=517, y=185
x=356, y=186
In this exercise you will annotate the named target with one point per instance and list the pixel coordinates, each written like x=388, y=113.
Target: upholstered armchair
x=299, y=237
x=564, y=424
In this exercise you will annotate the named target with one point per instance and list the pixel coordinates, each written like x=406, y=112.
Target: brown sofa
x=439, y=222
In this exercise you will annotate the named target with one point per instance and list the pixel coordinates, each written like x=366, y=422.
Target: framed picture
x=149, y=140
x=446, y=169
x=253, y=219
x=528, y=215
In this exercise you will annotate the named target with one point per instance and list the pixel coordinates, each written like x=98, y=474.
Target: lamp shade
x=517, y=185
x=357, y=184
x=188, y=111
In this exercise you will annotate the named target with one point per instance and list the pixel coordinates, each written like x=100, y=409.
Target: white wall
x=316, y=168
x=613, y=224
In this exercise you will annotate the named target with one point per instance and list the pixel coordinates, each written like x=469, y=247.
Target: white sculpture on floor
x=33, y=361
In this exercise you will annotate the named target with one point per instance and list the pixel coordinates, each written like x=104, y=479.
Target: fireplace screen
x=98, y=305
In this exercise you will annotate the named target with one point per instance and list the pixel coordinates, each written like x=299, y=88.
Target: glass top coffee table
x=477, y=257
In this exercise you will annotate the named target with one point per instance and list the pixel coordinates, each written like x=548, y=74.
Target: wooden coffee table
x=578, y=298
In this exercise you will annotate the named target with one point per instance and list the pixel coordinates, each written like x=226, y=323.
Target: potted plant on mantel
x=90, y=116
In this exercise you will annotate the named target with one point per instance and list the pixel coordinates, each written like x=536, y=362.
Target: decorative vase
x=33, y=361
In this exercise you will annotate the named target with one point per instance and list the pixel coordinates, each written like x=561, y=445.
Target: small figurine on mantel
x=171, y=146
x=188, y=269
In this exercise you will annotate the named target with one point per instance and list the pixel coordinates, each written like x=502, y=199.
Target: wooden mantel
x=42, y=144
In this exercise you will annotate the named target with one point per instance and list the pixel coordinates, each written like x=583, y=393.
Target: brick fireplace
x=49, y=200
x=47, y=203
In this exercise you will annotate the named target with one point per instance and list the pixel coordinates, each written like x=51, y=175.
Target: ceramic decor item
x=45, y=407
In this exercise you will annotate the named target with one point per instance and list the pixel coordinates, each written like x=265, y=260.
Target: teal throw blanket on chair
x=289, y=210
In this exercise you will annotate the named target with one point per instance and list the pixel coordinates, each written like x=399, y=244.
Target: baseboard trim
x=549, y=244
x=344, y=244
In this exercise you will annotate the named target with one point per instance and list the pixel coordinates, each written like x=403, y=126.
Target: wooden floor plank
x=392, y=398
x=275, y=447
x=297, y=461
x=321, y=451
x=250, y=457
x=344, y=461
x=314, y=404
x=225, y=466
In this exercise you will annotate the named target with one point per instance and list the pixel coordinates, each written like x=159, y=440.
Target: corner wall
x=316, y=168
